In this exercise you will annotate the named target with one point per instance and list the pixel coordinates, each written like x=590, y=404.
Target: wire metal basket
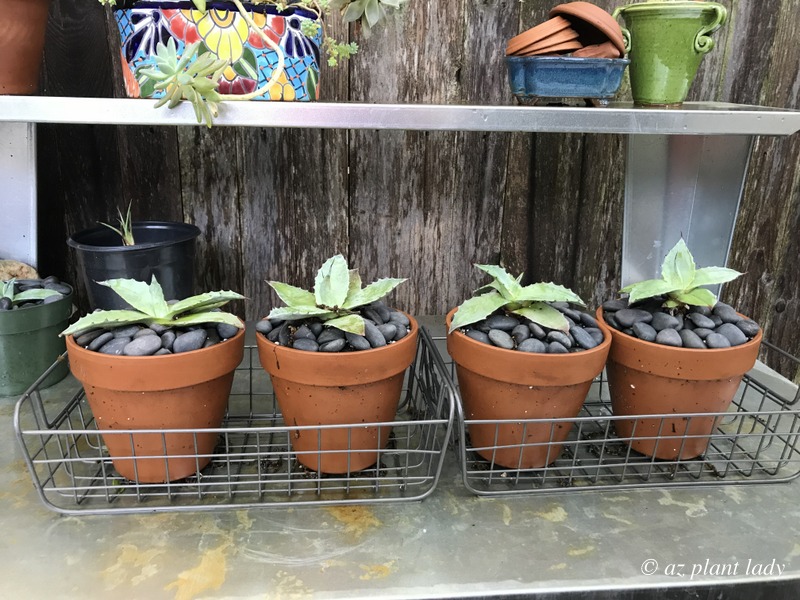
x=756, y=441
x=253, y=464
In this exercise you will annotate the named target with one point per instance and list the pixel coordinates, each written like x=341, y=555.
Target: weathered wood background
x=274, y=203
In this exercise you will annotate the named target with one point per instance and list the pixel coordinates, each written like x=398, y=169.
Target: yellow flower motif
x=224, y=32
x=282, y=90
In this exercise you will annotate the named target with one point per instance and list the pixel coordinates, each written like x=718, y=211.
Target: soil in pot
x=511, y=369
x=186, y=389
x=323, y=377
x=29, y=342
x=673, y=364
x=163, y=249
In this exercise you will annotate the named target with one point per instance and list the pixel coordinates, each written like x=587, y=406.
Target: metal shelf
x=695, y=118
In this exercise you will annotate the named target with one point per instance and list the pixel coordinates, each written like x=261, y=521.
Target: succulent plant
x=337, y=295
x=9, y=298
x=125, y=229
x=506, y=292
x=681, y=281
x=150, y=307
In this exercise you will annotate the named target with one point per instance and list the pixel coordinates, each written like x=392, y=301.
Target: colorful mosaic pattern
x=223, y=32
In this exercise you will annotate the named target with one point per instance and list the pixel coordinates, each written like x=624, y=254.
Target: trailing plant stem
x=276, y=72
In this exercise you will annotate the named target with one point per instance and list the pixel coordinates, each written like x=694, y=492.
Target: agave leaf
x=148, y=299
x=355, y=282
x=695, y=297
x=332, y=283
x=506, y=284
x=106, y=318
x=8, y=289
x=296, y=313
x=544, y=315
x=34, y=295
x=349, y=323
x=291, y=295
x=549, y=292
x=678, y=267
x=206, y=317
x=374, y=291
x=202, y=302
x=477, y=308
x=648, y=289
x=714, y=276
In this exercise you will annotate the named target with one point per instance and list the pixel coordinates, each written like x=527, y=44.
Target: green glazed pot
x=29, y=344
x=666, y=41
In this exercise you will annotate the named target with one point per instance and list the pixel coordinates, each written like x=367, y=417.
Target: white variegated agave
x=149, y=307
x=528, y=301
x=26, y=296
x=680, y=281
x=336, y=297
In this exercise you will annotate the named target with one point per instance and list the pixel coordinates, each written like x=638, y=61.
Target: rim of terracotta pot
x=155, y=373
x=546, y=370
x=336, y=368
x=536, y=34
x=595, y=17
x=691, y=363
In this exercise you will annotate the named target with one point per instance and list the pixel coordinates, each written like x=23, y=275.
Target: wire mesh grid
x=253, y=464
x=755, y=441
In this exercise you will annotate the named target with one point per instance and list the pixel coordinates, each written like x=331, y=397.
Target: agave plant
x=150, y=307
x=680, y=281
x=125, y=229
x=506, y=292
x=336, y=297
x=26, y=296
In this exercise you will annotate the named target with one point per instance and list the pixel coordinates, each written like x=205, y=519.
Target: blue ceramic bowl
x=565, y=76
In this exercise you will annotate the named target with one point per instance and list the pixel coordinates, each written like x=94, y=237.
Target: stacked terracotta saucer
x=577, y=28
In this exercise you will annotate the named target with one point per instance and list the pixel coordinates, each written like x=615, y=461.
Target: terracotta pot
x=22, y=33
x=497, y=384
x=178, y=391
x=342, y=388
x=554, y=49
x=593, y=24
x=646, y=378
x=536, y=34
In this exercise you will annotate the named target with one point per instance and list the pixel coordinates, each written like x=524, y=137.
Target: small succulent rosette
x=223, y=32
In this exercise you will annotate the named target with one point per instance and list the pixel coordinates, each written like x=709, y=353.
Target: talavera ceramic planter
x=339, y=388
x=498, y=385
x=666, y=41
x=173, y=392
x=224, y=33
x=652, y=379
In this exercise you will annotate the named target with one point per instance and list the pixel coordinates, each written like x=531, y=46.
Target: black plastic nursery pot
x=29, y=344
x=163, y=249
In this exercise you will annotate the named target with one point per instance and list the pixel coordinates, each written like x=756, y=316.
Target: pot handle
x=703, y=42
x=626, y=35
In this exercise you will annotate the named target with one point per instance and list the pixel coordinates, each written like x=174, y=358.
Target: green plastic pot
x=29, y=344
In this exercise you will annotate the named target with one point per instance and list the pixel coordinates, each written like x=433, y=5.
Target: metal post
x=18, y=236
x=681, y=185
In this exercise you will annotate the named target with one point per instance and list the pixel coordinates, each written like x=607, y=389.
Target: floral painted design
x=226, y=34
x=149, y=29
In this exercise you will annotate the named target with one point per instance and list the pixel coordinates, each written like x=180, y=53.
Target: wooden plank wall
x=273, y=204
